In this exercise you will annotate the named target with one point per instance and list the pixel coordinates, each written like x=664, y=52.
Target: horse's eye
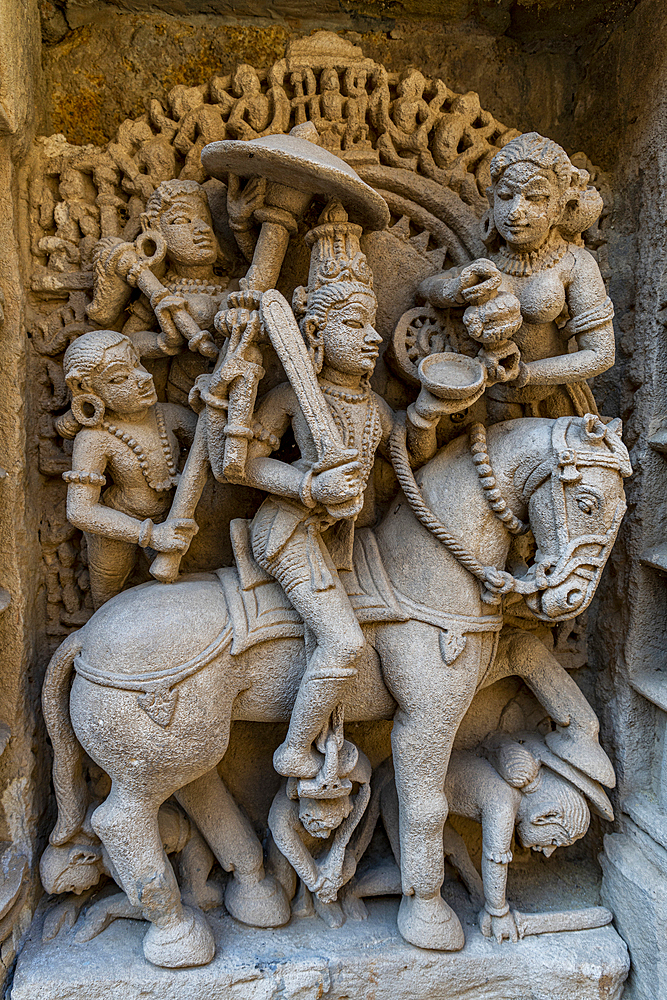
x=588, y=504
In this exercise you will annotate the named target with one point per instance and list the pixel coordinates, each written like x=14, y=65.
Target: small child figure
x=312, y=823
x=120, y=428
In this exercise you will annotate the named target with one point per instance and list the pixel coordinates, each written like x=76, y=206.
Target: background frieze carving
x=425, y=148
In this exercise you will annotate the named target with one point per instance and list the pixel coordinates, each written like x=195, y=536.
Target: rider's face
x=351, y=343
x=188, y=232
x=124, y=385
x=525, y=205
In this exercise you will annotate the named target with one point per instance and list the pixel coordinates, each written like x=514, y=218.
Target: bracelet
x=85, y=478
x=495, y=911
x=145, y=533
x=241, y=227
x=422, y=423
x=305, y=494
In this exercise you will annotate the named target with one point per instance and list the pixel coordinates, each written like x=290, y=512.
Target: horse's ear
x=616, y=427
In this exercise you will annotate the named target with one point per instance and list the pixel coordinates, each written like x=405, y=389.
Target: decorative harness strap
x=155, y=687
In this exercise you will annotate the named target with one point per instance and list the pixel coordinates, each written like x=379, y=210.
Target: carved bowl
x=452, y=376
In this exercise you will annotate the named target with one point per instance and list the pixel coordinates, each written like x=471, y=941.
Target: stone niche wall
x=589, y=75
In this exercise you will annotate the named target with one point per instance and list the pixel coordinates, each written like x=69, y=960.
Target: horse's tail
x=68, y=779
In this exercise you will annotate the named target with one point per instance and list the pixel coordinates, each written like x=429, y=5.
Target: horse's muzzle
x=564, y=601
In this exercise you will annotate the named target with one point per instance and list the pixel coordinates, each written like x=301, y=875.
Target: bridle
x=562, y=467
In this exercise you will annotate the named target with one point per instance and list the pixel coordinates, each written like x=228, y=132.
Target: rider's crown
x=335, y=253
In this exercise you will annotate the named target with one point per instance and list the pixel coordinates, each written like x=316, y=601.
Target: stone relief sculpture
x=119, y=426
x=540, y=204
x=507, y=781
x=360, y=592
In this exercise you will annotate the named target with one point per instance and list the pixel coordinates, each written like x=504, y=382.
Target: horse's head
x=575, y=504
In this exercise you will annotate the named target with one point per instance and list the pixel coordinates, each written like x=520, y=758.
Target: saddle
x=260, y=610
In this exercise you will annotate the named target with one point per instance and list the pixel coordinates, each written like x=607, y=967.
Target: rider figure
x=297, y=535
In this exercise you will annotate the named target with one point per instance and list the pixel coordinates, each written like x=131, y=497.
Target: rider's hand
x=337, y=485
x=500, y=928
x=173, y=535
x=478, y=281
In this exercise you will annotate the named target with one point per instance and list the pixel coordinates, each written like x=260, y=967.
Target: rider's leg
x=339, y=642
x=127, y=825
x=432, y=698
x=110, y=563
x=251, y=896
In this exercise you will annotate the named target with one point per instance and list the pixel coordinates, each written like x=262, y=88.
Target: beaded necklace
x=520, y=264
x=372, y=432
x=178, y=284
x=134, y=446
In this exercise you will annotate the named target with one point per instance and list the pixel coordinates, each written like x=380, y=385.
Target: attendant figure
x=120, y=430
x=540, y=204
x=178, y=220
x=507, y=781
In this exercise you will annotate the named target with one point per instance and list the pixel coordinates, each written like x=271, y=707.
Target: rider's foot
x=296, y=762
x=260, y=904
x=186, y=942
x=430, y=923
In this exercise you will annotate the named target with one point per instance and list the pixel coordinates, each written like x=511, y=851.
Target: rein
x=494, y=582
x=562, y=468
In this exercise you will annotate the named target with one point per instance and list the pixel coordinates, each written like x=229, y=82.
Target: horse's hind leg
x=251, y=896
x=127, y=825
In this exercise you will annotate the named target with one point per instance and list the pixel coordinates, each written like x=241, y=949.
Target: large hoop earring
x=88, y=409
x=152, y=247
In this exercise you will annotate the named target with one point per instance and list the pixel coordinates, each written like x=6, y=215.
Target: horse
x=161, y=673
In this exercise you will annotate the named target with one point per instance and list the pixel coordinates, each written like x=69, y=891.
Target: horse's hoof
x=583, y=751
x=189, y=942
x=263, y=904
x=430, y=923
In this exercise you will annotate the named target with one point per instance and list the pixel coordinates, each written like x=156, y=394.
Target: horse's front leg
x=251, y=896
x=432, y=699
x=522, y=654
x=127, y=825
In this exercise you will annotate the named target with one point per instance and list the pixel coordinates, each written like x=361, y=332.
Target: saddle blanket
x=261, y=611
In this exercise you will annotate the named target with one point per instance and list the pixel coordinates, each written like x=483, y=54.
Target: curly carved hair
x=580, y=202
x=167, y=193
x=85, y=356
x=311, y=311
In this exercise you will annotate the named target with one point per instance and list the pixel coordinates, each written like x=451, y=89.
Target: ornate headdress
x=338, y=268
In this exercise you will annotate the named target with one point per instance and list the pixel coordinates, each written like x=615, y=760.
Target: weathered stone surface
x=307, y=961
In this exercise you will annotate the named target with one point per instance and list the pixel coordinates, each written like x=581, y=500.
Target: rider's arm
x=270, y=421
x=421, y=437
